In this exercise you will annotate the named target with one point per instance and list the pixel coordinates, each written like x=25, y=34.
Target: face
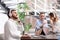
x=52, y=18
x=42, y=16
x=14, y=14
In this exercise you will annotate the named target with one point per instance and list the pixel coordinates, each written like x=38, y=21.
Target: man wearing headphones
x=11, y=29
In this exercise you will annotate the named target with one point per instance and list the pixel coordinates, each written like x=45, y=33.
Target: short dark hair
x=10, y=11
x=41, y=13
x=13, y=10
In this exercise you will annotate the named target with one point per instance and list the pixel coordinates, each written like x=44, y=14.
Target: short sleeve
x=38, y=24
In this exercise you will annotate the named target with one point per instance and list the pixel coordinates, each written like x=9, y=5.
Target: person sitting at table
x=41, y=25
x=54, y=21
x=13, y=29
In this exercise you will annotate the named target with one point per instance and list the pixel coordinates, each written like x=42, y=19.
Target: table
x=41, y=37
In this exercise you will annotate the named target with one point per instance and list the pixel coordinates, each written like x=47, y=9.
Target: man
x=41, y=25
x=11, y=29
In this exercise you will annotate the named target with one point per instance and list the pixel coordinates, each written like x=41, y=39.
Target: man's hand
x=25, y=36
x=37, y=33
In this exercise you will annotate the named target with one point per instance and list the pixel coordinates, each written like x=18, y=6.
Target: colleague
x=11, y=29
x=51, y=15
x=54, y=22
x=41, y=25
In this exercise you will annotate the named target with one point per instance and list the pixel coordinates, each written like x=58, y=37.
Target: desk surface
x=41, y=37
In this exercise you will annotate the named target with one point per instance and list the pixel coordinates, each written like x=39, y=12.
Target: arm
x=38, y=28
x=52, y=25
x=37, y=33
x=22, y=26
x=45, y=27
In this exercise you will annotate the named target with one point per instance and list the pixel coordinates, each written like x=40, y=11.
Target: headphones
x=10, y=14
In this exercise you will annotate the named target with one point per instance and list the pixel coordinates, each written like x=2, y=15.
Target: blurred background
x=27, y=7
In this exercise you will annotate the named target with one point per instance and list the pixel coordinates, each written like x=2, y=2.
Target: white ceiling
x=5, y=0
x=12, y=4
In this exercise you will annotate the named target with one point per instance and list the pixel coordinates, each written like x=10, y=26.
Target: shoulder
x=37, y=20
x=8, y=21
x=51, y=21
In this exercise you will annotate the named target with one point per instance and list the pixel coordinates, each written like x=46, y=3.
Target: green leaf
x=27, y=27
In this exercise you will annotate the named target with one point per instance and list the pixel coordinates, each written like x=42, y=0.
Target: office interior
x=31, y=11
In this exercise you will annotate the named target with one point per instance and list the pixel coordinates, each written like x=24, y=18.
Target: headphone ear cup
x=10, y=14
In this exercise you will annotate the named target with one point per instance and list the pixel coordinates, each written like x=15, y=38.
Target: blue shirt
x=39, y=24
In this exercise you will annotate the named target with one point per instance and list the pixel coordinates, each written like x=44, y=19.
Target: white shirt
x=11, y=31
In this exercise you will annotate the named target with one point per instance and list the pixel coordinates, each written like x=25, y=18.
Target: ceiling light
x=14, y=6
x=13, y=2
x=58, y=10
x=0, y=7
x=9, y=2
x=2, y=11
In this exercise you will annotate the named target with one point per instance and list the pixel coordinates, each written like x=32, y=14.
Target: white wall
x=3, y=19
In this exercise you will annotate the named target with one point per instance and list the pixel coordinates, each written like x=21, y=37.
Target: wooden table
x=48, y=37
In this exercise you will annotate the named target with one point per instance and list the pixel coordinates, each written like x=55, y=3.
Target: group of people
x=14, y=28
x=42, y=26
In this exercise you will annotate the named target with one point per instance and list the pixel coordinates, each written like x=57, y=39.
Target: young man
x=11, y=31
x=41, y=25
